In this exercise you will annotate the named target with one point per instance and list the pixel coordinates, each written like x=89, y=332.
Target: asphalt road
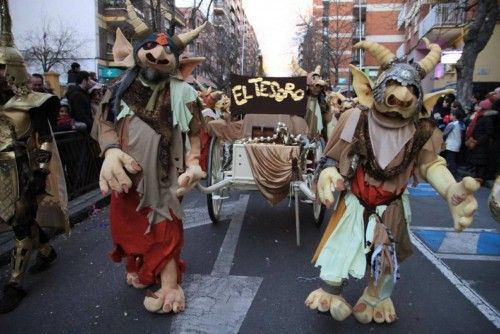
x=246, y=275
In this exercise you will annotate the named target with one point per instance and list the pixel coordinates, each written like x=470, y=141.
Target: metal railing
x=114, y=3
x=80, y=160
x=442, y=15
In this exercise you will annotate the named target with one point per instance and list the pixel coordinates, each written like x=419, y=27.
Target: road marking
x=477, y=242
x=222, y=265
x=422, y=190
x=198, y=216
x=464, y=243
x=218, y=303
x=468, y=257
x=482, y=305
x=451, y=229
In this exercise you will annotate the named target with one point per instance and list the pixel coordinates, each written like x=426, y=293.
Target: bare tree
x=51, y=46
x=476, y=38
x=221, y=53
x=310, y=44
x=328, y=43
x=195, y=9
x=340, y=41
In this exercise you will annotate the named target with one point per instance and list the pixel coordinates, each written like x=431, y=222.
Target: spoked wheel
x=318, y=208
x=215, y=175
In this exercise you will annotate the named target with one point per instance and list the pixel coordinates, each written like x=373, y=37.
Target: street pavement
x=246, y=275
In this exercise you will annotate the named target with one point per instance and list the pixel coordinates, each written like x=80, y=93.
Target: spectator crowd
x=471, y=135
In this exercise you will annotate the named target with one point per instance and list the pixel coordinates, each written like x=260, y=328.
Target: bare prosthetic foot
x=323, y=301
x=133, y=280
x=170, y=297
x=385, y=312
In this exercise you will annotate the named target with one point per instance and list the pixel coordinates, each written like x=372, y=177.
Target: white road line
x=482, y=305
x=451, y=229
x=218, y=303
x=222, y=265
x=198, y=216
x=468, y=257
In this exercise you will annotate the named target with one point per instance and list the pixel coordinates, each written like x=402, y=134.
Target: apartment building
x=445, y=23
x=400, y=26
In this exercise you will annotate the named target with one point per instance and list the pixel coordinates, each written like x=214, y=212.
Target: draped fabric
x=273, y=168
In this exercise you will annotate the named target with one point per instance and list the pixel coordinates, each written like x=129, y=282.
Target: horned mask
x=155, y=50
x=397, y=90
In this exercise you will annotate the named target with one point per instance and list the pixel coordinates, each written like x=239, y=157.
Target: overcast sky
x=275, y=23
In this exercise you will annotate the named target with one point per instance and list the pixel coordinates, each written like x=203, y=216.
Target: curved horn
x=432, y=58
x=187, y=37
x=380, y=52
x=140, y=28
x=317, y=70
x=296, y=68
x=202, y=89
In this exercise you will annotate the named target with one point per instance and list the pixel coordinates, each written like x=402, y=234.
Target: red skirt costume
x=146, y=253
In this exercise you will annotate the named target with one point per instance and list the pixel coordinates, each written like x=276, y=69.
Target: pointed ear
x=187, y=65
x=362, y=86
x=430, y=99
x=123, y=52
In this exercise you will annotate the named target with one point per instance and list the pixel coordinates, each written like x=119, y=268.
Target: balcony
x=450, y=16
x=359, y=31
x=114, y=10
x=219, y=7
x=360, y=2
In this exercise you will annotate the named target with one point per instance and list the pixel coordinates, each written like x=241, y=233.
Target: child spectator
x=453, y=134
x=64, y=120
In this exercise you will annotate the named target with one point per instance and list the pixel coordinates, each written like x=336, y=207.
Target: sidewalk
x=79, y=209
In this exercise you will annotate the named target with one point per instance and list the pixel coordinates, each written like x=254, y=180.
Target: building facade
x=445, y=23
x=400, y=26
x=95, y=22
x=342, y=23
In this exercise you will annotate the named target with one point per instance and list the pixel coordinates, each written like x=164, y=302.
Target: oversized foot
x=385, y=312
x=339, y=308
x=13, y=294
x=165, y=300
x=319, y=300
x=363, y=311
x=43, y=262
x=133, y=280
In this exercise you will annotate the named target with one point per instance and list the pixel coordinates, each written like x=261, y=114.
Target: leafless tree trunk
x=478, y=35
x=49, y=46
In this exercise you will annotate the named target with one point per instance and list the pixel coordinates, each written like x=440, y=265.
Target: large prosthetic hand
x=113, y=174
x=459, y=195
x=329, y=179
x=193, y=173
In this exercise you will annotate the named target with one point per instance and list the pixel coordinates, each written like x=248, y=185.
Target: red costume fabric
x=146, y=253
x=370, y=195
x=205, y=149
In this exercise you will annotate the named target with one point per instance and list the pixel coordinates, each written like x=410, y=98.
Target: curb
x=79, y=209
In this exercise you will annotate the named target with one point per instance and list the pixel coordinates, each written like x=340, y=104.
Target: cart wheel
x=215, y=175
x=318, y=208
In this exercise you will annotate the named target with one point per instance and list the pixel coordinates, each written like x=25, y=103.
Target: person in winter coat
x=453, y=134
x=477, y=138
